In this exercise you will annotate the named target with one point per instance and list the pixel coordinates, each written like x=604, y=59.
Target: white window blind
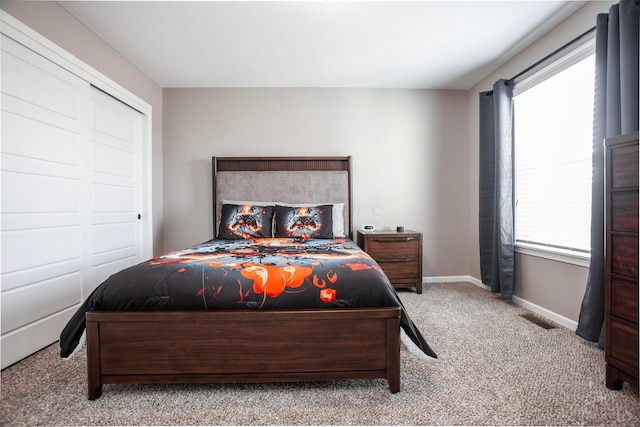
x=553, y=115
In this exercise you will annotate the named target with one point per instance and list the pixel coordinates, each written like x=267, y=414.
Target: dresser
x=621, y=274
x=399, y=254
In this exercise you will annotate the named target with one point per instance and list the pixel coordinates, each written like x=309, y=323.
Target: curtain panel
x=496, y=188
x=615, y=113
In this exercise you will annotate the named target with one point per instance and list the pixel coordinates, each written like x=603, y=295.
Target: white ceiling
x=372, y=44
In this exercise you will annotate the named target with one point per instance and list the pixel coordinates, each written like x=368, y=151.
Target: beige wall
x=407, y=148
x=552, y=285
x=57, y=25
x=415, y=152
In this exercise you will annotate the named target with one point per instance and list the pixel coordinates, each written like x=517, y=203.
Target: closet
x=72, y=195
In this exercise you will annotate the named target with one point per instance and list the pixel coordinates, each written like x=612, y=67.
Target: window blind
x=553, y=110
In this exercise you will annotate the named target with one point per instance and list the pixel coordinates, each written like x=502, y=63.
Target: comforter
x=259, y=274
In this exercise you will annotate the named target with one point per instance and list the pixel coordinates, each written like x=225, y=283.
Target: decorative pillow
x=308, y=222
x=245, y=222
x=338, y=216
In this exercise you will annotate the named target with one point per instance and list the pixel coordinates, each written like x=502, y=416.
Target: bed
x=300, y=303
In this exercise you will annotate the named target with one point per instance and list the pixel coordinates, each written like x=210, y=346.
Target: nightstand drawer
x=400, y=269
x=385, y=249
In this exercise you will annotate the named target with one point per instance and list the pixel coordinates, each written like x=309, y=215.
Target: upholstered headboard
x=283, y=179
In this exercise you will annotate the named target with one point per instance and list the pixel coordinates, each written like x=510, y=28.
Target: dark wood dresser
x=621, y=274
x=399, y=254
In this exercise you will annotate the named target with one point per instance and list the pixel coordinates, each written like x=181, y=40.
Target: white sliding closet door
x=70, y=172
x=113, y=198
x=43, y=108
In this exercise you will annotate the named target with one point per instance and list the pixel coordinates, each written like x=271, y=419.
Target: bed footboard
x=242, y=346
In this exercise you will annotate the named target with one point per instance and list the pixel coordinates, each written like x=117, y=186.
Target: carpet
x=495, y=367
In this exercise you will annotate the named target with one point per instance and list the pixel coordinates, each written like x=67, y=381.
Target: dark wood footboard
x=242, y=346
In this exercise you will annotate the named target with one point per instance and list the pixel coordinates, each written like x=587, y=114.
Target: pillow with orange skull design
x=245, y=222
x=306, y=222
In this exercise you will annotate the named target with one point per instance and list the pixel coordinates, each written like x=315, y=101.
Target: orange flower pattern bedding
x=266, y=273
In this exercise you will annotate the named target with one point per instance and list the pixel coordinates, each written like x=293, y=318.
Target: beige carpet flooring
x=494, y=368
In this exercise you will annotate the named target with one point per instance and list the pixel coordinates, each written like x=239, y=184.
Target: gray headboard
x=283, y=179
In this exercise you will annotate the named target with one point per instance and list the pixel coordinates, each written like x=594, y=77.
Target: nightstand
x=399, y=254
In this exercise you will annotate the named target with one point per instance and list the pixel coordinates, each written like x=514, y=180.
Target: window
x=553, y=115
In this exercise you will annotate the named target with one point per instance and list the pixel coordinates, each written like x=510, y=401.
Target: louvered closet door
x=69, y=165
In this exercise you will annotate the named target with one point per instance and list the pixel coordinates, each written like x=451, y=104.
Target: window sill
x=560, y=255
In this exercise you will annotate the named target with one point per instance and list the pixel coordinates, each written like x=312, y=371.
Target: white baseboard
x=449, y=279
x=541, y=311
x=548, y=314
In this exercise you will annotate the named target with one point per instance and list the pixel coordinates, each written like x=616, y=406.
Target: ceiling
x=370, y=44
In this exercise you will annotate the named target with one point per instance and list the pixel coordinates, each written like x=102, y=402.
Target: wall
x=549, y=285
x=407, y=148
x=415, y=152
x=57, y=25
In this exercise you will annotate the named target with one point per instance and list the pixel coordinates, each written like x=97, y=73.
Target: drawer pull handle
x=397, y=260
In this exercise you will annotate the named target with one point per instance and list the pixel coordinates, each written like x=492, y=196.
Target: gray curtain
x=496, y=188
x=615, y=113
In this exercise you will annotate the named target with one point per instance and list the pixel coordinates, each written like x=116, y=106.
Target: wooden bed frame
x=246, y=346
